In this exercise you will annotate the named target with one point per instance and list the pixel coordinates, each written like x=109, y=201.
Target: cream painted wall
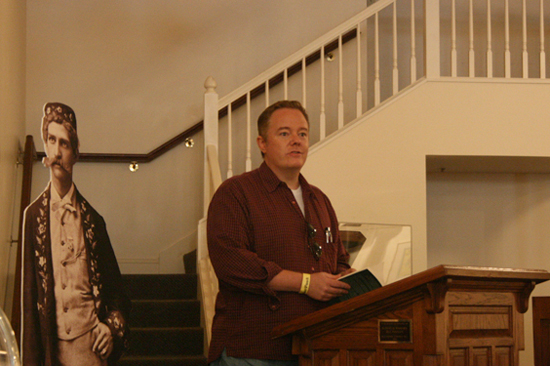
x=134, y=73
x=385, y=174
x=496, y=220
x=374, y=171
x=12, y=118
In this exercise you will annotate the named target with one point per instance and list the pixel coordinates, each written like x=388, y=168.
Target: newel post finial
x=210, y=85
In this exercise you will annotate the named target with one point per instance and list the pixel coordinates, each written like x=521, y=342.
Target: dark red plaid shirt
x=255, y=230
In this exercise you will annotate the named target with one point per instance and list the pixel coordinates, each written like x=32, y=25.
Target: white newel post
x=210, y=135
x=432, y=39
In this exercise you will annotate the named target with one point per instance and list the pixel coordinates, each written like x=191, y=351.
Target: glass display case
x=9, y=353
x=386, y=250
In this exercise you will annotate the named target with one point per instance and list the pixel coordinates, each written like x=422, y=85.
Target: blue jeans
x=226, y=360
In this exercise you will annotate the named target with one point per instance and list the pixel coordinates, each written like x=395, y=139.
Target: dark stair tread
x=165, y=313
x=166, y=341
x=153, y=358
x=166, y=301
x=194, y=360
x=164, y=321
x=164, y=329
x=164, y=286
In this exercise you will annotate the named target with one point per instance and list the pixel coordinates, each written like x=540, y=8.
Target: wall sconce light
x=134, y=166
x=189, y=143
x=329, y=57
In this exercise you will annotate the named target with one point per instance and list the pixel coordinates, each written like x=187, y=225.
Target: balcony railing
x=396, y=43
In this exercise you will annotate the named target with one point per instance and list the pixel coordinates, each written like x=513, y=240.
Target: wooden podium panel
x=541, y=330
x=447, y=315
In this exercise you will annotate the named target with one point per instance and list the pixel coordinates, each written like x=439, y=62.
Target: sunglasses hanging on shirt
x=315, y=248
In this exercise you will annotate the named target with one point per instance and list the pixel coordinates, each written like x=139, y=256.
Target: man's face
x=286, y=143
x=59, y=150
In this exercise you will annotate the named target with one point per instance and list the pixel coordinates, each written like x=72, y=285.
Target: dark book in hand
x=360, y=282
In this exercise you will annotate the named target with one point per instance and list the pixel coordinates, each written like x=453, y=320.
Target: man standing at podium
x=274, y=243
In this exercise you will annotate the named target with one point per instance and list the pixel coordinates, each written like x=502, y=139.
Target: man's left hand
x=347, y=271
x=103, y=343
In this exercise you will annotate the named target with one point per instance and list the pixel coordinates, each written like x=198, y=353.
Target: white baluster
x=376, y=62
x=304, y=84
x=229, y=141
x=413, y=44
x=210, y=136
x=542, y=53
x=285, y=78
x=359, y=93
x=366, y=65
x=395, y=73
x=454, y=61
x=340, y=84
x=322, y=117
x=525, y=55
x=267, y=93
x=471, y=53
x=489, y=42
x=248, y=166
x=507, y=63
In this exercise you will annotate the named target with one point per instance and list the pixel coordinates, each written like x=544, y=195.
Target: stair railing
x=320, y=87
x=395, y=43
x=297, y=63
x=392, y=50
x=29, y=156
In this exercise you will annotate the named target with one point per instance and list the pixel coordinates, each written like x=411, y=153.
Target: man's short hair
x=64, y=115
x=263, y=119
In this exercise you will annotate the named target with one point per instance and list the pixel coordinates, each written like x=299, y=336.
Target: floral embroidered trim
x=117, y=324
x=40, y=249
x=114, y=320
x=88, y=228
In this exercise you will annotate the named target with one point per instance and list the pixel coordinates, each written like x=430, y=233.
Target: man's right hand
x=103, y=343
x=325, y=286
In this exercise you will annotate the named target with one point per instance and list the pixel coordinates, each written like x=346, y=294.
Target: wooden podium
x=447, y=315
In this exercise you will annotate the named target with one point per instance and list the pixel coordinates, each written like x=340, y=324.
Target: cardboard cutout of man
x=75, y=310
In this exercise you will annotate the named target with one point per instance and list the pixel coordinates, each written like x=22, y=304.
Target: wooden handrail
x=182, y=137
x=139, y=158
x=28, y=160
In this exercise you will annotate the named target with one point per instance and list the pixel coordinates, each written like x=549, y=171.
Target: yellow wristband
x=306, y=280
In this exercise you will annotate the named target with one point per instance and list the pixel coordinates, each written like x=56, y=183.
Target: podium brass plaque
x=395, y=331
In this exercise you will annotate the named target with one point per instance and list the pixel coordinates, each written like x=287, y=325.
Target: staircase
x=164, y=322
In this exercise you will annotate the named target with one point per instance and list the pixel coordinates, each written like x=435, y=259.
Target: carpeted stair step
x=163, y=361
x=164, y=321
x=166, y=341
x=165, y=313
x=168, y=286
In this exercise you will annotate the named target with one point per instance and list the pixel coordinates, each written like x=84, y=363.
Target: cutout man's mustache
x=49, y=162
